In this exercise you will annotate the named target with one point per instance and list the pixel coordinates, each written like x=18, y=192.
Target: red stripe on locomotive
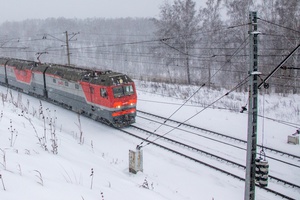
x=23, y=75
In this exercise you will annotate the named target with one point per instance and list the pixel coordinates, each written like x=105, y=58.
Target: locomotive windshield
x=123, y=90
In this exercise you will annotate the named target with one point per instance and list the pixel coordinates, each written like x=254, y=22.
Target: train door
x=92, y=96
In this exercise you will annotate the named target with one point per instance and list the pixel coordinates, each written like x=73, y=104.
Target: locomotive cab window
x=123, y=91
x=128, y=90
x=118, y=91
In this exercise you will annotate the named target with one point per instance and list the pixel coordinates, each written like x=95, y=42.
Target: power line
x=288, y=28
x=280, y=35
x=278, y=67
x=290, y=124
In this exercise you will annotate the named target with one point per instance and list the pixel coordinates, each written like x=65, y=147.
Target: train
x=105, y=96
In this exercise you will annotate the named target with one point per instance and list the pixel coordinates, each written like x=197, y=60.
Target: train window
x=66, y=83
x=103, y=92
x=118, y=91
x=92, y=90
x=123, y=90
x=128, y=90
x=76, y=86
x=54, y=80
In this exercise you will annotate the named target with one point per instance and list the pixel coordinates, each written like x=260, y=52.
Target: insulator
x=262, y=171
x=257, y=161
x=264, y=166
x=257, y=170
x=257, y=177
x=263, y=182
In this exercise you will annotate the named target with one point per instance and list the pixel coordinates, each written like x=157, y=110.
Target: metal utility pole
x=252, y=108
x=67, y=44
x=68, y=50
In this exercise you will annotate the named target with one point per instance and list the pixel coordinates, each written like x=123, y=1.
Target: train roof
x=88, y=75
x=70, y=73
x=3, y=60
x=23, y=64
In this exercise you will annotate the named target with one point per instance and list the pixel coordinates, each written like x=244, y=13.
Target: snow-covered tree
x=211, y=24
x=177, y=28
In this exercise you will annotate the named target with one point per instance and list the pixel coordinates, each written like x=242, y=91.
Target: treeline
x=213, y=49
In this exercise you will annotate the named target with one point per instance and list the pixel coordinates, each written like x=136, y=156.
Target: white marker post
x=135, y=160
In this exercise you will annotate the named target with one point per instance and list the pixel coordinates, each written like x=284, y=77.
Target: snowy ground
x=29, y=172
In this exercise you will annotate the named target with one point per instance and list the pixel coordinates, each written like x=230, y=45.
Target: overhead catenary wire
x=72, y=49
x=138, y=42
x=200, y=32
x=288, y=28
x=199, y=59
x=170, y=38
x=279, y=66
x=139, y=61
x=133, y=61
x=290, y=124
x=52, y=50
x=152, y=40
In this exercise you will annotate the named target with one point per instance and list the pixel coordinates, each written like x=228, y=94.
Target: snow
x=30, y=172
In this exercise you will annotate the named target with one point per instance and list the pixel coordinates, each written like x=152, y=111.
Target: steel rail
x=223, y=135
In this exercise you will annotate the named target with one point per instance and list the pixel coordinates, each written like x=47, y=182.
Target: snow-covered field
x=97, y=167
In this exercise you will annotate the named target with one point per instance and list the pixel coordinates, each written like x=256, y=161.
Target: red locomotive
x=105, y=96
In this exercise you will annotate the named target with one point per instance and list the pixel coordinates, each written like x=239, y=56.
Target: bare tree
x=211, y=23
x=238, y=17
x=177, y=28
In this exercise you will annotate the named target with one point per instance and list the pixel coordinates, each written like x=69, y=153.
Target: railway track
x=271, y=177
x=221, y=141
x=221, y=135
x=216, y=157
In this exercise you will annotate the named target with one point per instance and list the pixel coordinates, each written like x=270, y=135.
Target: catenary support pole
x=68, y=50
x=252, y=108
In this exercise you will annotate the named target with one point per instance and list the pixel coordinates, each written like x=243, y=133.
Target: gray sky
x=17, y=10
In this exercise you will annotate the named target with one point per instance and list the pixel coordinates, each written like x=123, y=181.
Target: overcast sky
x=17, y=10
